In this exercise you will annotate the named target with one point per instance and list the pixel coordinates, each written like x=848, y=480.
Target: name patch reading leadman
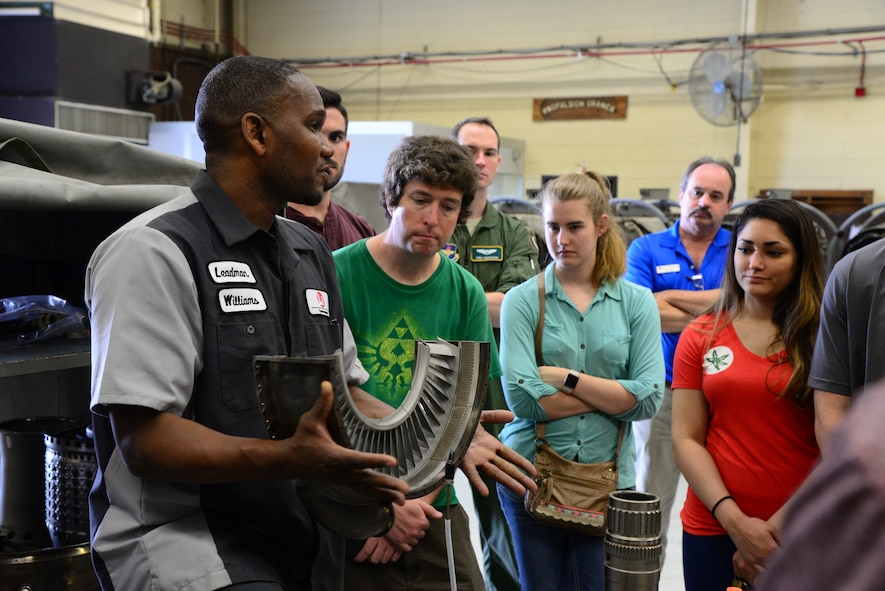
x=241, y=299
x=231, y=272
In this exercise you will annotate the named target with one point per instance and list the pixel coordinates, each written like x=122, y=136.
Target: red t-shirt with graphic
x=763, y=444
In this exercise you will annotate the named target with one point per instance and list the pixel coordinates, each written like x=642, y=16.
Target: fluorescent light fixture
x=26, y=9
x=32, y=11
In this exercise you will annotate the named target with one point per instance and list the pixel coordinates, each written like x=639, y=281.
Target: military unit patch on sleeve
x=450, y=250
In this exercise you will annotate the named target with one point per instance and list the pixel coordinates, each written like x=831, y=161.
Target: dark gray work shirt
x=839, y=509
x=850, y=350
x=180, y=300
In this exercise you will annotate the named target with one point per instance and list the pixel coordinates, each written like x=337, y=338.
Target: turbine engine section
x=438, y=416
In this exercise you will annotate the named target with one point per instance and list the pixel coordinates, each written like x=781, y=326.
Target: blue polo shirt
x=659, y=261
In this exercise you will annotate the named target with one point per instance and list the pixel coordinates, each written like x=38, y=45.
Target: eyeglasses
x=698, y=281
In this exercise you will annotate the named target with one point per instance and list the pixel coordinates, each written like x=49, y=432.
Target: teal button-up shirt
x=617, y=337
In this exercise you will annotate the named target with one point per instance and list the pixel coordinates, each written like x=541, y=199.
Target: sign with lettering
x=598, y=107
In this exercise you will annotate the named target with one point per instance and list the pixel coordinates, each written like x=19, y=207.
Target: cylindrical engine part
x=633, y=542
x=21, y=481
x=70, y=467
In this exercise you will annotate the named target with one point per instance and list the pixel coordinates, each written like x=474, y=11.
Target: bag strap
x=539, y=330
x=620, y=439
x=541, y=426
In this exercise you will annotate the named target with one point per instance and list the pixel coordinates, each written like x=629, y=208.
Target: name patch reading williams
x=241, y=299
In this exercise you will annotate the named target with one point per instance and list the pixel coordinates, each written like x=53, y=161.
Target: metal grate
x=123, y=124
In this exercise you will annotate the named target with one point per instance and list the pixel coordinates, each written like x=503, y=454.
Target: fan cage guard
x=713, y=97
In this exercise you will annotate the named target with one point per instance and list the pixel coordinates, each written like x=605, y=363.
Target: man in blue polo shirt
x=683, y=266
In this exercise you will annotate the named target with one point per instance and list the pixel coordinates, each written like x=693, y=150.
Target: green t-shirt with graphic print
x=387, y=317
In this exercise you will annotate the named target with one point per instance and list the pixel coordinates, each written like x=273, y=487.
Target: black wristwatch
x=570, y=382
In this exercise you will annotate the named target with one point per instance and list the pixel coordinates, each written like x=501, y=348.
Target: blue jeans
x=551, y=558
x=706, y=562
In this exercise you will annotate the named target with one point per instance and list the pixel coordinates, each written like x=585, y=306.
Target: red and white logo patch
x=317, y=302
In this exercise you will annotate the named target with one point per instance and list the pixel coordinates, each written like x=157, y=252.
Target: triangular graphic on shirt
x=401, y=331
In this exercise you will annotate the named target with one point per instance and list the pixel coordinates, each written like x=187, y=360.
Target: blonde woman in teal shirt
x=605, y=365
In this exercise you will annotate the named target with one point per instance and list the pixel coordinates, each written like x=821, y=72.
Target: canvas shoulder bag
x=572, y=495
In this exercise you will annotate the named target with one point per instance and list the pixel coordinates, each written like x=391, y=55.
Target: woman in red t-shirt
x=743, y=422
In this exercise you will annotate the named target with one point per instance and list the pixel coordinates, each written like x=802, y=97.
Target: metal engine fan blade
x=437, y=418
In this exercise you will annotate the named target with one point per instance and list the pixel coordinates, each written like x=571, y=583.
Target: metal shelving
x=51, y=355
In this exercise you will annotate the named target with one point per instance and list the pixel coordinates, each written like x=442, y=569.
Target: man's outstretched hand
x=321, y=458
x=495, y=459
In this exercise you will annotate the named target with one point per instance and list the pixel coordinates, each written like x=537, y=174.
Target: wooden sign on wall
x=597, y=107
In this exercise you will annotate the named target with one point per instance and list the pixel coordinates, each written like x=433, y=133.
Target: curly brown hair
x=435, y=161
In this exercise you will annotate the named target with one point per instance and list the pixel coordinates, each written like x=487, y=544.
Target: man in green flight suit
x=501, y=252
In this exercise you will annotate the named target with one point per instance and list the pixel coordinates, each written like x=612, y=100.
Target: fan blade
x=740, y=85
x=716, y=103
x=716, y=67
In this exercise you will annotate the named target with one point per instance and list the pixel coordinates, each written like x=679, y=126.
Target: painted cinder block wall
x=809, y=132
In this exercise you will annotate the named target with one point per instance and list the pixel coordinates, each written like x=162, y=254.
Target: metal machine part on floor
x=633, y=542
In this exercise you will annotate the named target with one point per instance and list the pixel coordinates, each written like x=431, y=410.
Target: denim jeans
x=706, y=562
x=499, y=561
x=552, y=558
